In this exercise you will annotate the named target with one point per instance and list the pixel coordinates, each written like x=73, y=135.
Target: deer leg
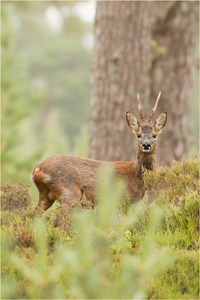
x=43, y=203
x=46, y=199
x=150, y=197
x=90, y=194
x=70, y=197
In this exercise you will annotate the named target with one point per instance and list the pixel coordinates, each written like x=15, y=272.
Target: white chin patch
x=146, y=151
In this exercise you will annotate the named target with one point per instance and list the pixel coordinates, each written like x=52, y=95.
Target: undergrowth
x=151, y=252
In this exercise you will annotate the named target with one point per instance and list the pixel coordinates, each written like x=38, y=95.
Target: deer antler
x=140, y=110
x=154, y=109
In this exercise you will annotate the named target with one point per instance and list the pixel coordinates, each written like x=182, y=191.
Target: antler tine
x=140, y=109
x=154, y=108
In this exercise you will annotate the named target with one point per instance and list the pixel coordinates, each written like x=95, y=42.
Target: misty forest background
x=45, y=83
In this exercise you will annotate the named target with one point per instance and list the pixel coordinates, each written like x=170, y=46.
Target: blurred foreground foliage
x=150, y=252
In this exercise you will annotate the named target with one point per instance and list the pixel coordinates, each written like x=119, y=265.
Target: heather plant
x=176, y=189
x=98, y=263
x=15, y=197
x=16, y=213
x=146, y=251
x=180, y=281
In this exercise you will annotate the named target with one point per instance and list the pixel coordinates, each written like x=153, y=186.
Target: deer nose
x=146, y=146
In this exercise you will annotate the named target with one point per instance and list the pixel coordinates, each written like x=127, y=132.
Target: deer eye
x=154, y=136
x=138, y=136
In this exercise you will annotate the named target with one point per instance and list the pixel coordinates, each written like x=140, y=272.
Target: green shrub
x=176, y=190
x=19, y=227
x=15, y=197
x=171, y=184
x=180, y=281
x=17, y=213
x=17, y=217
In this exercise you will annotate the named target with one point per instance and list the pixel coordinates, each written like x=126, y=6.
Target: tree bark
x=173, y=72
x=121, y=63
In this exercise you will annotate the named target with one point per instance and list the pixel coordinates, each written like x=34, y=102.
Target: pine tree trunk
x=121, y=63
x=173, y=72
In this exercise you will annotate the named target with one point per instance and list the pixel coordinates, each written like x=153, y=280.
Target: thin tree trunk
x=173, y=72
x=121, y=63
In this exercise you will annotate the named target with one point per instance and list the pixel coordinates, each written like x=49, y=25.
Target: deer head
x=146, y=131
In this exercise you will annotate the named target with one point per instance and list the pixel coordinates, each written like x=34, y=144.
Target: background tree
x=121, y=62
x=173, y=71
x=142, y=47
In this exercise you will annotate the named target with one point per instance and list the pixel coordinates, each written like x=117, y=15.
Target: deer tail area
x=38, y=176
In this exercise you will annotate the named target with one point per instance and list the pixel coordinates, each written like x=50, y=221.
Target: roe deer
x=72, y=180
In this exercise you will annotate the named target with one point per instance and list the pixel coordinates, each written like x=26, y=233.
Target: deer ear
x=160, y=122
x=132, y=122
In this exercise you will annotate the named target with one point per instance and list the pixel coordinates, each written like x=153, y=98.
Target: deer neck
x=145, y=161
